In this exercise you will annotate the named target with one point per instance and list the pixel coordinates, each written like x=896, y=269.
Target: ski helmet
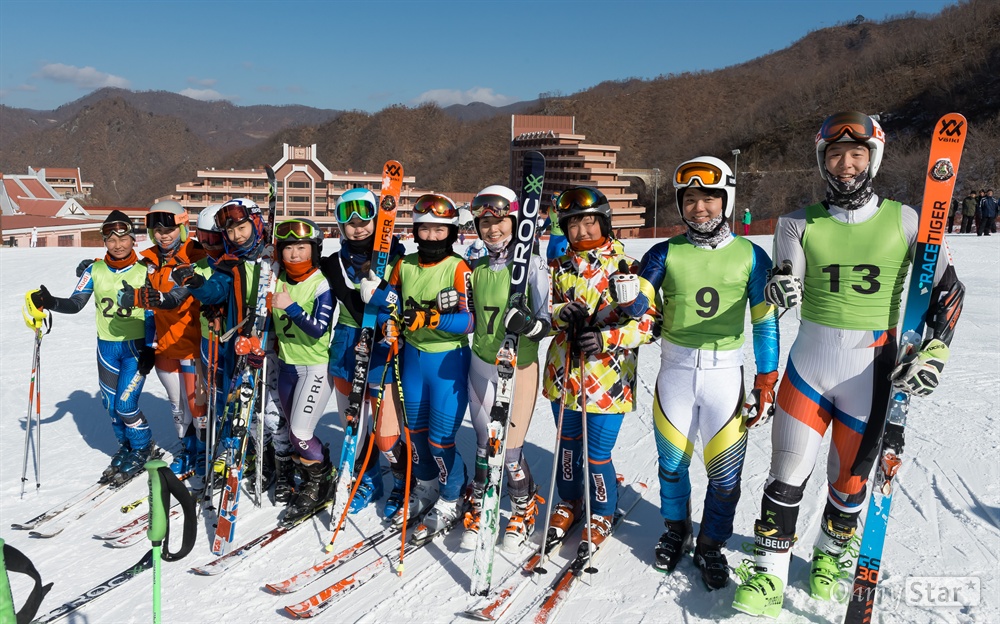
x=300, y=231
x=584, y=200
x=117, y=223
x=435, y=208
x=851, y=127
x=706, y=172
x=167, y=214
x=236, y=211
x=356, y=202
x=495, y=200
x=208, y=231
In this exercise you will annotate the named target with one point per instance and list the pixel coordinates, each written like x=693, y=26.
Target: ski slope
x=945, y=518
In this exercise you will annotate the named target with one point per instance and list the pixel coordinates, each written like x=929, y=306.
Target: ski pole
x=538, y=569
x=210, y=426
x=30, y=417
x=162, y=484
x=409, y=458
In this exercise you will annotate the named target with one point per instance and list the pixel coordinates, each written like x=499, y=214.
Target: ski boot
x=474, y=500
x=267, y=474
x=395, y=499
x=833, y=557
x=284, y=479
x=762, y=590
x=423, y=495
x=522, y=521
x=369, y=489
x=133, y=464
x=594, y=533
x=116, y=461
x=709, y=559
x=315, y=493
x=184, y=460
x=675, y=542
x=562, y=518
x=442, y=517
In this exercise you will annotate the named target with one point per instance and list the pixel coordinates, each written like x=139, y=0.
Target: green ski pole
x=162, y=484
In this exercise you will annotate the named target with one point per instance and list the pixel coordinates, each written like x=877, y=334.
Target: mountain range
x=136, y=146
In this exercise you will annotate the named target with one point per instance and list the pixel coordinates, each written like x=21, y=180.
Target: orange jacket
x=178, y=331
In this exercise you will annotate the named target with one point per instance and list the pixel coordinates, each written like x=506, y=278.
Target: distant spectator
x=475, y=251
x=968, y=212
x=979, y=212
x=747, y=218
x=955, y=208
x=34, y=237
x=461, y=238
x=988, y=209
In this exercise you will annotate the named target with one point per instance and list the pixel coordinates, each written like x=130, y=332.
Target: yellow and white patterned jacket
x=610, y=375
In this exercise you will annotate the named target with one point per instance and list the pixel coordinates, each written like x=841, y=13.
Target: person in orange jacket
x=178, y=330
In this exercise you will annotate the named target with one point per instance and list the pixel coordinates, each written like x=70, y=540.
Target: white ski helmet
x=851, y=127
x=495, y=200
x=206, y=218
x=167, y=213
x=707, y=172
x=435, y=208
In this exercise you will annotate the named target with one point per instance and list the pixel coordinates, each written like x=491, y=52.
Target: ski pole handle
x=159, y=501
x=162, y=485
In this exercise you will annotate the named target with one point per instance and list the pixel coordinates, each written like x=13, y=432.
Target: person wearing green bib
x=125, y=354
x=495, y=209
x=433, y=286
x=301, y=309
x=843, y=261
x=707, y=278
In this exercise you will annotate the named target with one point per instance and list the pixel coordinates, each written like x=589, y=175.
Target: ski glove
x=519, y=320
x=145, y=297
x=783, y=289
x=250, y=347
x=624, y=285
x=759, y=405
x=147, y=358
x=921, y=373
x=589, y=341
x=82, y=267
x=376, y=291
x=447, y=300
x=419, y=318
x=43, y=299
x=573, y=312
x=184, y=275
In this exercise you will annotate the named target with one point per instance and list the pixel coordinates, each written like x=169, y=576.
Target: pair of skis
x=947, y=143
x=248, y=388
x=533, y=178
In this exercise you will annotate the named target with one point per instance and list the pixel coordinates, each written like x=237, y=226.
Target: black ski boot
x=133, y=464
x=675, y=542
x=712, y=563
x=315, y=492
x=284, y=480
x=116, y=461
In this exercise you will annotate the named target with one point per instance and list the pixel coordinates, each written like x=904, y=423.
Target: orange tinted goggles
x=436, y=205
x=706, y=174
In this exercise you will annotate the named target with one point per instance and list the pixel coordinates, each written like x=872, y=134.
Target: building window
x=259, y=184
x=302, y=185
x=298, y=199
x=321, y=185
x=195, y=198
x=66, y=240
x=299, y=213
x=215, y=183
x=216, y=197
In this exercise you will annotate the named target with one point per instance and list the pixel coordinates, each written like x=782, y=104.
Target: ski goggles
x=364, y=210
x=208, y=237
x=494, y=205
x=294, y=229
x=581, y=197
x=167, y=220
x=231, y=214
x=117, y=228
x=707, y=175
x=858, y=126
x=436, y=205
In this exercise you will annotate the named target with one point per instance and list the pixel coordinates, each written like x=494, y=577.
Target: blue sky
x=369, y=55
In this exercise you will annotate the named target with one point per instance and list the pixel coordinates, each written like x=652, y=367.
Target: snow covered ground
x=945, y=517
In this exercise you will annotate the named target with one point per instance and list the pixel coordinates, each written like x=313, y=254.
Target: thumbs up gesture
x=281, y=298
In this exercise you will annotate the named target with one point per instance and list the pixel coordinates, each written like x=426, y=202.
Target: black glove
x=519, y=320
x=43, y=299
x=184, y=275
x=589, y=341
x=147, y=357
x=80, y=268
x=145, y=297
x=574, y=312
